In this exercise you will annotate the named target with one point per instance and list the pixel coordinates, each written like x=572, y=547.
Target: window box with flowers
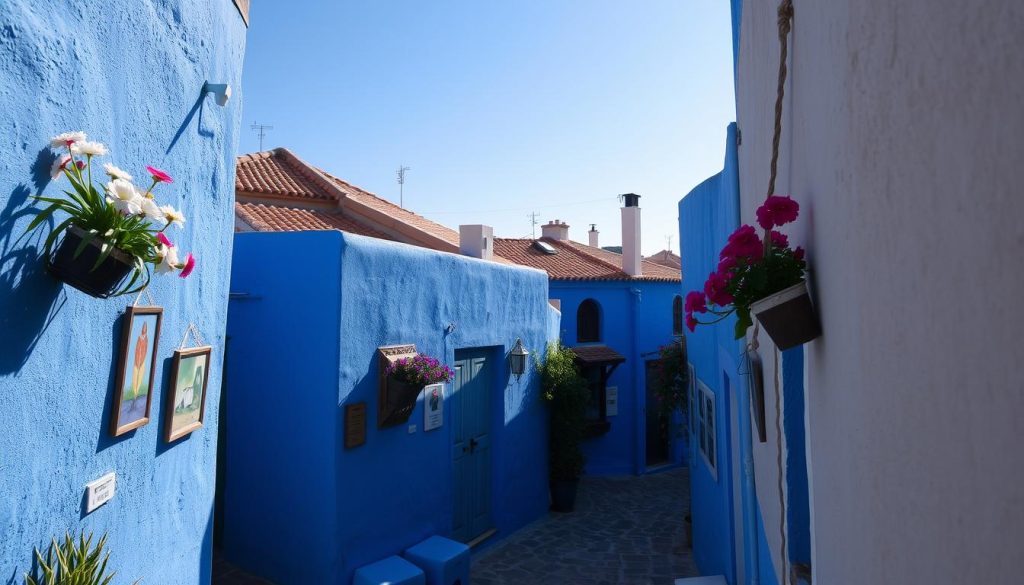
x=404, y=378
x=110, y=232
x=763, y=278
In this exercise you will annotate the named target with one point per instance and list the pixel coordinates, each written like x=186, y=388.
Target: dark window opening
x=588, y=322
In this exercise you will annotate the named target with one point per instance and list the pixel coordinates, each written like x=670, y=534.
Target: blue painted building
x=617, y=311
x=320, y=282
x=132, y=79
x=735, y=478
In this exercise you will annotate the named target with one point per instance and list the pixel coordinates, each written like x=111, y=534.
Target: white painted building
x=903, y=141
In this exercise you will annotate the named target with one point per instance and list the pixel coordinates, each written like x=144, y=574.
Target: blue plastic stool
x=389, y=571
x=445, y=561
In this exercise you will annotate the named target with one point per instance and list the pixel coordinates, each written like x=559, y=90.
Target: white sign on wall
x=611, y=401
x=99, y=491
x=433, y=406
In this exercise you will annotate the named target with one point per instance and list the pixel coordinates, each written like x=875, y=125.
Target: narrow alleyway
x=625, y=531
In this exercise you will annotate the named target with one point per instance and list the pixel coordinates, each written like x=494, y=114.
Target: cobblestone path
x=625, y=531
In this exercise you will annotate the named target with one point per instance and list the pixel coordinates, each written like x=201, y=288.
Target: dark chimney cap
x=593, y=227
x=632, y=199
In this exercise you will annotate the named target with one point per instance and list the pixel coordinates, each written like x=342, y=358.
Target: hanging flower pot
x=87, y=271
x=400, y=401
x=111, y=233
x=788, y=316
x=762, y=277
x=403, y=380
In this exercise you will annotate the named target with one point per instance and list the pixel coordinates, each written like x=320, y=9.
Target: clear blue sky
x=500, y=108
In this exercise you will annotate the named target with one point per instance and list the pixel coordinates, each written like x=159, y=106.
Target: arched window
x=677, y=315
x=588, y=322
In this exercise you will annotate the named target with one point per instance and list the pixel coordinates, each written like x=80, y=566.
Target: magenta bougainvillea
x=749, y=269
x=419, y=370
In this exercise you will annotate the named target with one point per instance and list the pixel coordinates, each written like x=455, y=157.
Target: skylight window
x=545, y=247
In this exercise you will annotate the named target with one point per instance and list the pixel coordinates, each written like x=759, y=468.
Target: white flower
x=66, y=139
x=89, y=148
x=125, y=197
x=116, y=173
x=168, y=259
x=152, y=210
x=172, y=215
x=58, y=166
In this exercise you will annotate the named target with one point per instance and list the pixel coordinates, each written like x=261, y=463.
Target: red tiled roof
x=575, y=261
x=666, y=258
x=274, y=218
x=597, y=354
x=271, y=173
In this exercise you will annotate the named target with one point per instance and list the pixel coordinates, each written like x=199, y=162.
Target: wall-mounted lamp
x=221, y=92
x=517, y=359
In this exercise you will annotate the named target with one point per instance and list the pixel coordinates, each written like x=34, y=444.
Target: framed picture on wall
x=136, y=369
x=186, y=398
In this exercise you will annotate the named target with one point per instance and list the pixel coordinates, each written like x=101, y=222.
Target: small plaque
x=433, y=407
x=611, y=401
x=99, y=491
x=355, y=425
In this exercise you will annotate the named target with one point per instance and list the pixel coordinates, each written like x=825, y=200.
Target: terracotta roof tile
x=597, y=354
x=270, y=173
x=275, y=218
x=666, y=258
x=575, y=261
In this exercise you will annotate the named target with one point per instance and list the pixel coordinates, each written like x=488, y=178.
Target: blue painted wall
x=798, y=511
x=633, y=324
x=130, y=76
x=707, y=215
x=290, y=482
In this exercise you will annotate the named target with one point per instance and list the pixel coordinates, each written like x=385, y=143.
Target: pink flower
x=798, y=253
x=743, y=243
x=777, y=211
x=726, y=264
x=695, y=302
x=715, y=289
x=779, y=240
x=164, y=240
x=189, y=266
x=159, y=176
x=691, y=322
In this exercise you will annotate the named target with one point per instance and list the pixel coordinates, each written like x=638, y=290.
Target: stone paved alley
x=625, y=530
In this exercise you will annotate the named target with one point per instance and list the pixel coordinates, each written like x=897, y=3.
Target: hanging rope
x=149, y=298
x=194, y=331
x=785, y=24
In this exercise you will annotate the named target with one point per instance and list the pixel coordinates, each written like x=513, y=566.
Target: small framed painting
x=133, y=386
x=186, y=401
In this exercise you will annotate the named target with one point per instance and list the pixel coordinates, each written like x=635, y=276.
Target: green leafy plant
x=119, y=216
x=565, y=390
x=72, y=562
x=673, y=379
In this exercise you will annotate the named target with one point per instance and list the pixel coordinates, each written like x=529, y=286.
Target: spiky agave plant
x=73, y=563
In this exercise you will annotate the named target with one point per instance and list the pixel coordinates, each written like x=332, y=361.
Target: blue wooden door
x=471, y=443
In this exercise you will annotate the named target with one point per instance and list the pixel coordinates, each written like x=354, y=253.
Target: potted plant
x=73, y=563
x=763, y=277
x=673, y=378
x=109, y=232
x=406, y=377
x=565, y=390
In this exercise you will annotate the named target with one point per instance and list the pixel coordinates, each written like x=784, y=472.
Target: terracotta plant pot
x=563, y=494
x=788, y=316
x=78, y=272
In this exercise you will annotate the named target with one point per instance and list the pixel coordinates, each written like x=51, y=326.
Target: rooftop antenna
x=533, y=225
x=401, y=184
x=261, y=131
x=668, y=238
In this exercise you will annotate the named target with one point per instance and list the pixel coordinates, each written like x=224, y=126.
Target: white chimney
x=476, y=241
x=631, y=259
x=593, y=235
x=556, y=230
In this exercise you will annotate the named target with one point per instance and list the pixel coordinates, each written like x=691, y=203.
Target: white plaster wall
x=904, y=144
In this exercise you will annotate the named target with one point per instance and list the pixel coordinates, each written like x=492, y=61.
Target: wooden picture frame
x=182, y=414
x=757, y=395
x=136, y=369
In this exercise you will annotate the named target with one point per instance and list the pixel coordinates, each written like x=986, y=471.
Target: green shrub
x=73, y=563
x=566, y=391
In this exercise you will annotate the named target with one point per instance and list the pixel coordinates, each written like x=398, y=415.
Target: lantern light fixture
x=517, y=359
